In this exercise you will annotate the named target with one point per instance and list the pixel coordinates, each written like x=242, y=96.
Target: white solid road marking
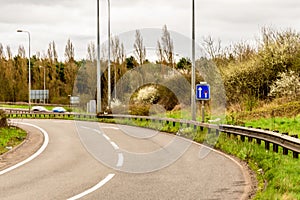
x=96, y=187
x=120, y=160
x=43, y=147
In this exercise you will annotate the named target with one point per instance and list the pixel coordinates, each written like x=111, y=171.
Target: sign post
x=203, y=94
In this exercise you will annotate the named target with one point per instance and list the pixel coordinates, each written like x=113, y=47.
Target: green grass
x=11, y=136
x=14, y=106
x=282, y=124
x=282, y=173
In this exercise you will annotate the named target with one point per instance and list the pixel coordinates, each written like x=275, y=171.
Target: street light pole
x=98, y=62
x=109, y=78
x=193, y=81
x=29, y=69
x=44, y=85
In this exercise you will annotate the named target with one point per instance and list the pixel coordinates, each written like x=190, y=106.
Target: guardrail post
x=294, y=136
x=285, y=151
x=295, y=154
x=217, y=132
x=228, y=134
x=275, y=148
x=267, y=145
x=258, y=141
x=250, y=139
x=174, y=124
x=243, y=138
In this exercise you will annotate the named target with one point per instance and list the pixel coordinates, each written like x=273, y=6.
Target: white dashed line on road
x=120, y=160
x=106, y=137
x=113, y=144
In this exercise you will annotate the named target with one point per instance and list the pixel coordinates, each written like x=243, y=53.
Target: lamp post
x=193, y=81
x=98, y=62
x=29, y=69
x=109, y=81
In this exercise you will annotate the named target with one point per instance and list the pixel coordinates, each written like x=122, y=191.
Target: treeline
x=250, y=72
x=59, y=76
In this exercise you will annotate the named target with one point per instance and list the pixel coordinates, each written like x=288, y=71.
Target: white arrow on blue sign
x=202, y=91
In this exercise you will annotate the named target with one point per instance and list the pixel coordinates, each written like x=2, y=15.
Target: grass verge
x=10, y=137
x=282, y=124
x=281, y=173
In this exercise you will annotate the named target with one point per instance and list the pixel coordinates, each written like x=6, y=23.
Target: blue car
x=58, y=110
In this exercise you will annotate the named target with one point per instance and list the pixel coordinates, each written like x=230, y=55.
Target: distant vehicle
x=39, y=109
x=58, y=110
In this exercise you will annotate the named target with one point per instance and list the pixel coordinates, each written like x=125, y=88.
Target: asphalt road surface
x=87, y=160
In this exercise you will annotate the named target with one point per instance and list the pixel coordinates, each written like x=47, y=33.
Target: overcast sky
x=58, y=20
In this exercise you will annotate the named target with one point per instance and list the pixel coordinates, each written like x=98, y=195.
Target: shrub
x=3, y=119
x=287, y=85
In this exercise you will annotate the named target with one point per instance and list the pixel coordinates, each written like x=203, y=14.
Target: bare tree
x=115, y=48
x=9, y=53
x=165, y=47
x=1, y=51
x=140, y=50
x=167, y=44
x=212, y=47
x=91, y=56
x=122, y=54
x=52, y=53
x=69, y=51
x=159, y=53
x=21, y=52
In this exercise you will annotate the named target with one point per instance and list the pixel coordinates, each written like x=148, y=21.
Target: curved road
x=102, y=161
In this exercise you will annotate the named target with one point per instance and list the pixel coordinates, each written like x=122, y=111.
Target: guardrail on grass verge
x=269, y=138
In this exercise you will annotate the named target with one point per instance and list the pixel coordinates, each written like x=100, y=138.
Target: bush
x=139, y=109
x=287, y=85
x=3, y=119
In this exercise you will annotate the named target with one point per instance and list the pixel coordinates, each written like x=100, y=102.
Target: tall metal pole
x=193, y=82
x=98, y=62
x=109, y=81
x=29, y=69
x=44, y=85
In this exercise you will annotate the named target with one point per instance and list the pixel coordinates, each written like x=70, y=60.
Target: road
x=89, y=160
